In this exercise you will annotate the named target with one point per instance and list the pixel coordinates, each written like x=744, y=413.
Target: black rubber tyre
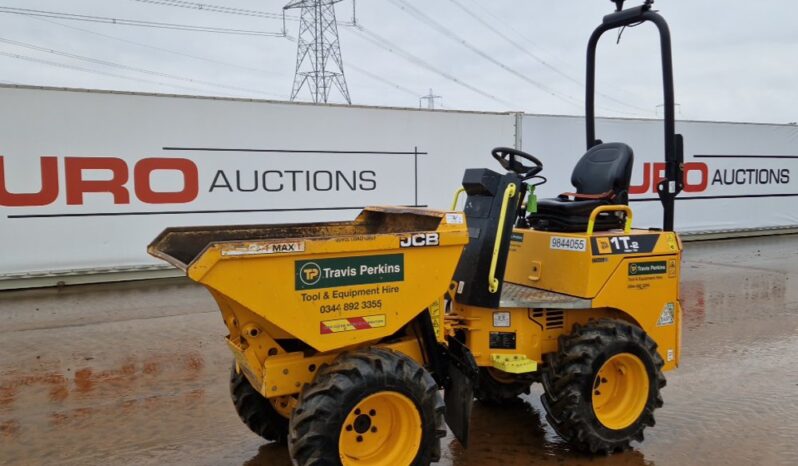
x=324, y=405
x=569, y=376
x=501, y=388
x=255, y=410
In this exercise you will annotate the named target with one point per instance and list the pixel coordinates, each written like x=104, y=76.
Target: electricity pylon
x=318, y=54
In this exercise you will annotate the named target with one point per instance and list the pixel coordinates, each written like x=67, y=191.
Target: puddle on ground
x=123, y=374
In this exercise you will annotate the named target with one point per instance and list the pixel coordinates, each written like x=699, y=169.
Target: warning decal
x=352, y=323
x=254, y=249
x=666, y=316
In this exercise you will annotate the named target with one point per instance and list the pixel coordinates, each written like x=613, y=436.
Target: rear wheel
x=603, y=385
x=265, y=417
x=499, y=387
x=369, y=407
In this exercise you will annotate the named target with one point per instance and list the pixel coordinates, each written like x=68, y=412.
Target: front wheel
x=369, y=407
x=603, y=385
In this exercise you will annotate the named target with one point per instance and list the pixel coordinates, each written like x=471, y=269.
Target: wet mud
x=137, y=374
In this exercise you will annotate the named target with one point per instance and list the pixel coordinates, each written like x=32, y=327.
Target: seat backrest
x=605, y=167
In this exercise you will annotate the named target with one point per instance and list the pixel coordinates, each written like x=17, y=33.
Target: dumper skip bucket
x=330, y=285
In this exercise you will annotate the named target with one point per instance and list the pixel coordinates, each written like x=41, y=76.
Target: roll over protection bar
x=672, y=185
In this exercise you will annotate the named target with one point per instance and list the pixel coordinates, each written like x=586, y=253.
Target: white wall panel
x=739, y=175
x=264, y=162
x=319, y=163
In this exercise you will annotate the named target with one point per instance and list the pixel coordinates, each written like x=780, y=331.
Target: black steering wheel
x=506, y=156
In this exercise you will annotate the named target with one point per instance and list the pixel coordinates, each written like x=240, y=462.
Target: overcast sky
x=735, y=60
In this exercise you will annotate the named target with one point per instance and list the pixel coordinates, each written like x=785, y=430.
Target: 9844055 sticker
x=566, y=243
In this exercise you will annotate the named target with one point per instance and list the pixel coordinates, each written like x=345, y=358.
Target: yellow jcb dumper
x=345, y=333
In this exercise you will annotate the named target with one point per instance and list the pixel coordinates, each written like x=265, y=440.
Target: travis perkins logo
x=310, y=273
x=348, y=271
x=648, y=268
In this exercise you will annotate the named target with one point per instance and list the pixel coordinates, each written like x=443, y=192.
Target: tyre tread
x=563, y=376
x=310, y=441
x=255, y=411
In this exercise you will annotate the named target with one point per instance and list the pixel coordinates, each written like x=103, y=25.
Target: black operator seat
x=601, y=177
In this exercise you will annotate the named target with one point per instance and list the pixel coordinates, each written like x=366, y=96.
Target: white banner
x=87, y=179
x=737, y=175
x=90, y=178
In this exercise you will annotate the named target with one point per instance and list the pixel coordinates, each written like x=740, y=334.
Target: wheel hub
x=384, y=428
x=362, y=423
x=620, y=391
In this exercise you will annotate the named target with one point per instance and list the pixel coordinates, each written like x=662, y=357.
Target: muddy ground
x=137, y=374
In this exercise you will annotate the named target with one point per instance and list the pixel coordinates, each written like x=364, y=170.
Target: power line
x=417, y=14
x=137, y=23
x=535, y=57
x=153, y=47
x=513, y=42
x=381, y=79
x=89, y=70
x=228, y=10
x=385, y=44
x=507, y=25
x=359, y=69
x=219, y=9
x=128, y=68
x=225, y=63
x=396, y=50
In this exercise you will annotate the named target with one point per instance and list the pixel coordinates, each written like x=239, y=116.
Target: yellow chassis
x=282, y=330
x=575, y=287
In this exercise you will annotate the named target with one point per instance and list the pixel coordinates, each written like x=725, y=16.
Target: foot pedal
x=513, y=363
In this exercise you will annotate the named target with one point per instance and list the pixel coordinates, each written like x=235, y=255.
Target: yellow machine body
x=343, y=285
x=573, y=278
x=477, y=310
x=330, y=287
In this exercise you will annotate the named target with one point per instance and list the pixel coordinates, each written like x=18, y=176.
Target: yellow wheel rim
x=384, y=428
x=620, y=391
